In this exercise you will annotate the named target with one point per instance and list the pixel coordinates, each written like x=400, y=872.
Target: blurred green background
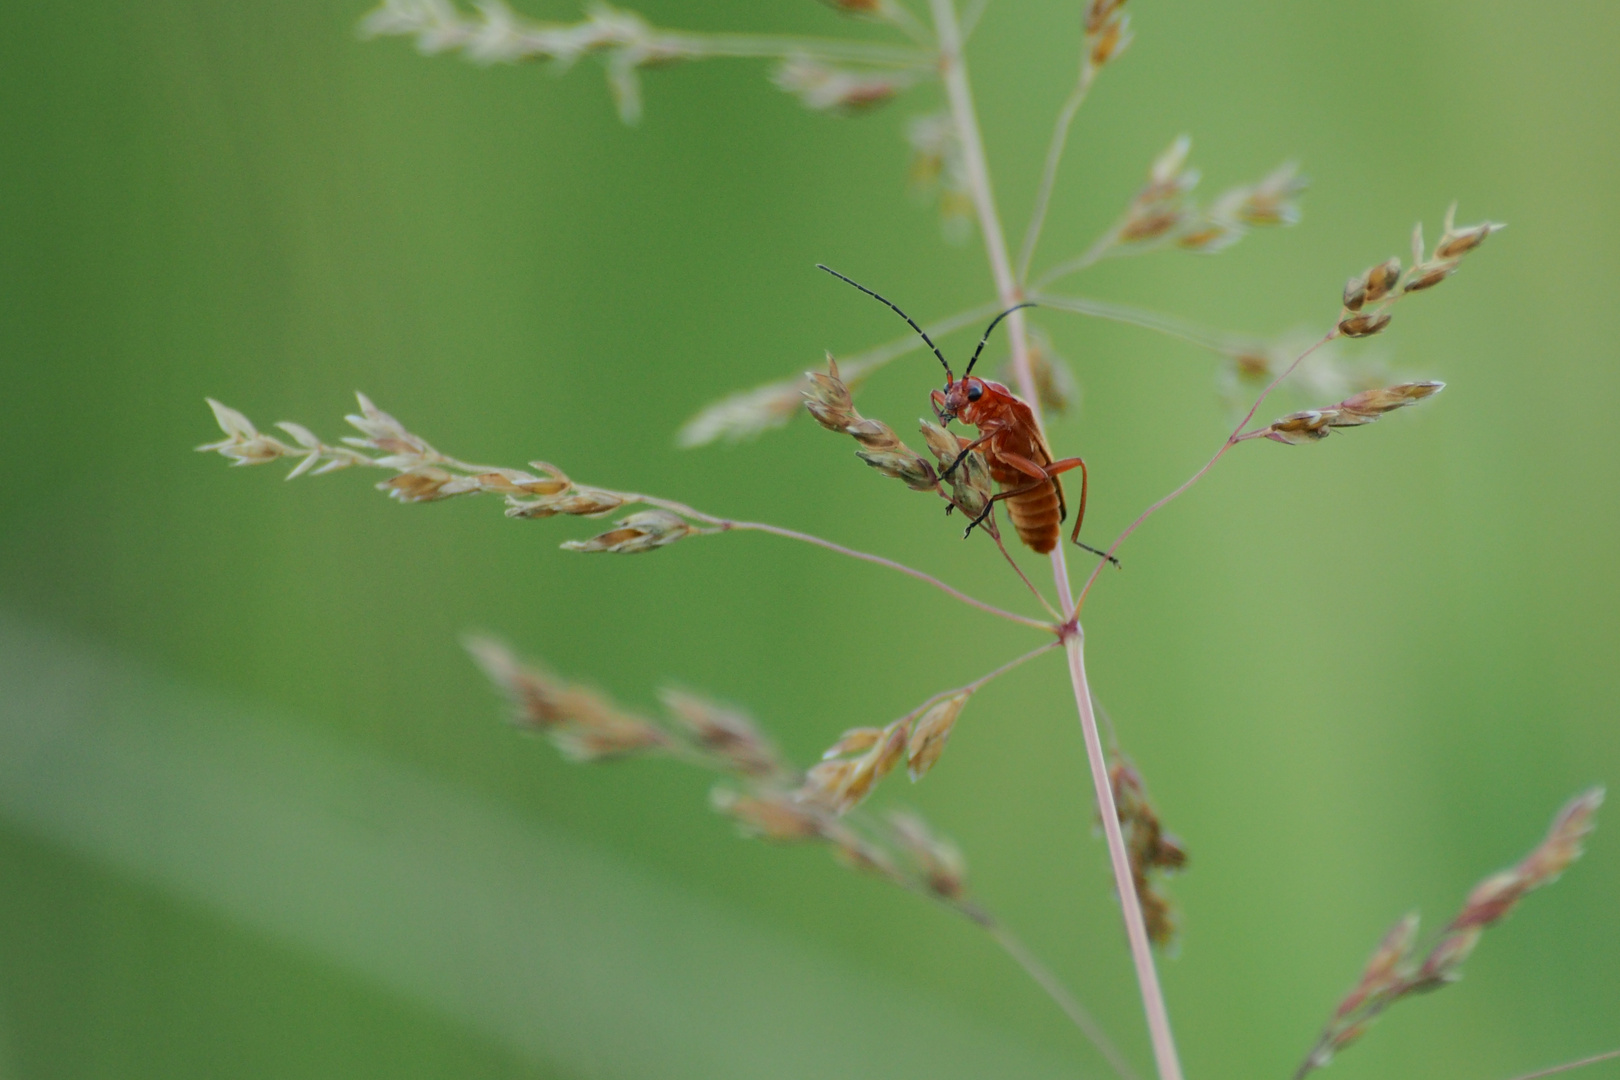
x=258, y=814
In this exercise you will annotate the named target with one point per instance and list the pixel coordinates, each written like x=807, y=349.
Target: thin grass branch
x=424, y=474
x=628, y=44
x=1568, y=1065
x=770, y=798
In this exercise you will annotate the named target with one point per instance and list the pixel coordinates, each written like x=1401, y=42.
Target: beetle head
x=958, y=399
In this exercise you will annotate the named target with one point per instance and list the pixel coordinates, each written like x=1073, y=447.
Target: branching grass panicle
x=827, y=802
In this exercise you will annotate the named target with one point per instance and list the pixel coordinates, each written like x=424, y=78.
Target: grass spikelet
x=1314, y=425
x=583, y=724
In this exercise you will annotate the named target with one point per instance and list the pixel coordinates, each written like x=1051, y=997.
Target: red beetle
x=1010, y=440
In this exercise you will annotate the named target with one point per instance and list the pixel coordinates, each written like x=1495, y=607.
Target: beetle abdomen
x=1036, y=514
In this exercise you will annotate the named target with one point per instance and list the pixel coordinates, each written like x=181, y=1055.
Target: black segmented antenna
x=949, y=378
x=986, y=337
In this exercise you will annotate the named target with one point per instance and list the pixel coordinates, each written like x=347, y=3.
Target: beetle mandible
x=1016, y=452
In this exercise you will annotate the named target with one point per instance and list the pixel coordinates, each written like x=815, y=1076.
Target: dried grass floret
x=1378, y=288
x=1152, y=851
x=727, y=734
x=645, y=530
x=770, y=815
x=1164, y=213
x=939, y=170
x=1314, y=425
x=825, y=86
x=828, y=400
x=970, y=482
x=582, y=723
x=744, y=415
x=625, y=42
x=840, y=784
x=423, y=474
x=1271, y=202
x=900, y=847
x=937, y=861
x=1055, y=385
x=929, y=732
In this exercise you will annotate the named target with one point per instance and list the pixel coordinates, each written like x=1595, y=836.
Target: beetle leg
x=997, y=497
x=1050, y=472
x=966, y=450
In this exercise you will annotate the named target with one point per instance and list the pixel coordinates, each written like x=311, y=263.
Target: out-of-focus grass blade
x=553, y=949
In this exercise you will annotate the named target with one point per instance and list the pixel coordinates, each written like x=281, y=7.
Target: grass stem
x=960, y=95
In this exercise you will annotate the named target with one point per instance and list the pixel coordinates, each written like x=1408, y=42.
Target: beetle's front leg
x=966, y=450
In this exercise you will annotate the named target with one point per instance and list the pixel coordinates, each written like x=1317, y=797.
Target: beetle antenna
x=949, y=378
x=986, y=337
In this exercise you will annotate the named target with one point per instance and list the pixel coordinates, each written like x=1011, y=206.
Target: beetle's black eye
x=975, y=392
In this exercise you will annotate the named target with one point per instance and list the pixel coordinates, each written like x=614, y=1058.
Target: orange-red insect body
x=1018, y=458
x=1010, y=440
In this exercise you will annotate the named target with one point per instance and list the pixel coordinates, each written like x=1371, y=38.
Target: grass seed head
x=383, y=432
x=242, y=444
x=1212, y=234
x=576, y=502
x=1391, y=973
x=939, y=862
x=1364, y=323
x=1455, y=242
x=425, y=483
x=1496, y=896
x=1381, y=280
x=728, y=735
x=1297, y=428
x=854, y=741
x=1110, y=40
x=743, y=415
x=872, y=434
x=839, y=785
x=514, y=482
x=926, y=740
x=1314, y=425
x=1428, y=275
x=1150, y=849
x=1274, y=200
x=1386, y=967
x=1355, y=293
x=904, y=464
x=827, y=398
x=970, y=482
x=822, y=86
x=641, y=531
x=1160, y=208
x=770, y=815
x=1098, y=12
x=584, y=725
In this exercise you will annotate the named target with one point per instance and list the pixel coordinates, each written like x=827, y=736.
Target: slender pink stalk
x=1054, y=158
x=960, y=96
x=989, y=676
x=1232, y=440
x=727, y=525
x=1005, y=554
x=776, y=530
x=1568, y=1065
